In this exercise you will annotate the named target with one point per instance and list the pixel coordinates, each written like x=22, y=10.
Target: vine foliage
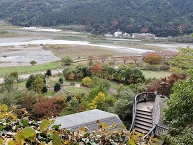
x=20, y=131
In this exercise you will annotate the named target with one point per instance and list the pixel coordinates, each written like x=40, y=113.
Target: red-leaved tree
x=168, y=81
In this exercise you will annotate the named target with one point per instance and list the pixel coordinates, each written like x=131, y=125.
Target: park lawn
x=21, y=85
x=114, y=85
x=156, y=74
x=76, y=89
x=29, y=69
x=50, y=93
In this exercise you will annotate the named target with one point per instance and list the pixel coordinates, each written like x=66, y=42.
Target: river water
x=43, y=56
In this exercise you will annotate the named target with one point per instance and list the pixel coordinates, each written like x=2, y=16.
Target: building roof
x=87, y=119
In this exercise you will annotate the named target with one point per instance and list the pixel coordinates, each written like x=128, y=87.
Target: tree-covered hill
x=161, y=17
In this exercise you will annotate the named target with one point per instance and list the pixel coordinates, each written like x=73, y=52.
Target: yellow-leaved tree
x=98, y=102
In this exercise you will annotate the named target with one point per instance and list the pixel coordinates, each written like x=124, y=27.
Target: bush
x=61, y=80
x=44, y=89
x=46, y=107
x=48, y=72
x=57, y=87
x=153, y=67
x=164, y=67
x=87, y=81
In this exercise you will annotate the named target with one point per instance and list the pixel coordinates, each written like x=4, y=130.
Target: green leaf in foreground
x=45, y=123
x=29, y=133
x=56, y=140
x=131, y=142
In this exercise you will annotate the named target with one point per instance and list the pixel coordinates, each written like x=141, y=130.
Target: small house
x=118, y=34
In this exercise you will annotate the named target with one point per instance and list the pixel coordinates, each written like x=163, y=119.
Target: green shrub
x=164, y=67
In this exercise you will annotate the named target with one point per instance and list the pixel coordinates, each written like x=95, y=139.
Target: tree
x=183, y=61
x=124, y=105
x=98, y=85
x=135, y=58
x=61, y=80
x=91, y=59
x=177, y=115
x=115, y=23
x=66, y=61
x=72, y=105
x=125, y=59
x=103, y=58
x=9, y=93
x=113, y=59
x=8, y=84
x=87, y=81
x=129, y=28
x=48, y=72
x=38, y=84
x=44, y=89
x=96, y=69
x=29, y=83
x=86, y=71
x=33, y=62
x=32, y=85
x=144, y=30
x=57, y=87
x=14, y=75
x=153, y=58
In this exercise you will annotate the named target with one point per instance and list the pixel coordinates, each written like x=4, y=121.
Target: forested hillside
x=161, y=17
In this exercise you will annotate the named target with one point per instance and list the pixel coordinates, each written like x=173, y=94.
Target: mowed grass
x=29, y=69
x=156, y=74
x=76, y=89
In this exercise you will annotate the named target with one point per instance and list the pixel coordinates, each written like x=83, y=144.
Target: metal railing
x=139, y=98
x=156, y=130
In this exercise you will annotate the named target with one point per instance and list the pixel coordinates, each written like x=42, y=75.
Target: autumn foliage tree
x=96, y=69
x=153, y=58
x=170, y=80
x=46, y=107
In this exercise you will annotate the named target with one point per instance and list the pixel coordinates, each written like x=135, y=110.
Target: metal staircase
x=142, y=118
x=143, y=121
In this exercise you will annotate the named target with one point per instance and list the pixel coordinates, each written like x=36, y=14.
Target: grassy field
x=155, y=74
x=29, y=69
x=76, y=89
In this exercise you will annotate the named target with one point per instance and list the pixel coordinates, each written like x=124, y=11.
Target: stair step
x=138, y=110
x=143, y=116
x=143, y=119
x=139, y=129
x=144, y=112
x=143, y=123
x=145, y=128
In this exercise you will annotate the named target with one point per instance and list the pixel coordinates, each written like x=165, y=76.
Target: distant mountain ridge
x=161, y=17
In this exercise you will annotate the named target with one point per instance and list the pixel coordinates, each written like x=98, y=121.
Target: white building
x=126, y=35
x=143, y=35
x=118, y=34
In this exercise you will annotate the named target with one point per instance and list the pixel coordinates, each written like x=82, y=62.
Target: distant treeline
x=161, y=17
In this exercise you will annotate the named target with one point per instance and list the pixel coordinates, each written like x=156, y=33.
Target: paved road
x=54, y=72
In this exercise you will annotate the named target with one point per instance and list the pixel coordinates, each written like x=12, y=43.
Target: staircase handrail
x=156, y=130
x=139, y=97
